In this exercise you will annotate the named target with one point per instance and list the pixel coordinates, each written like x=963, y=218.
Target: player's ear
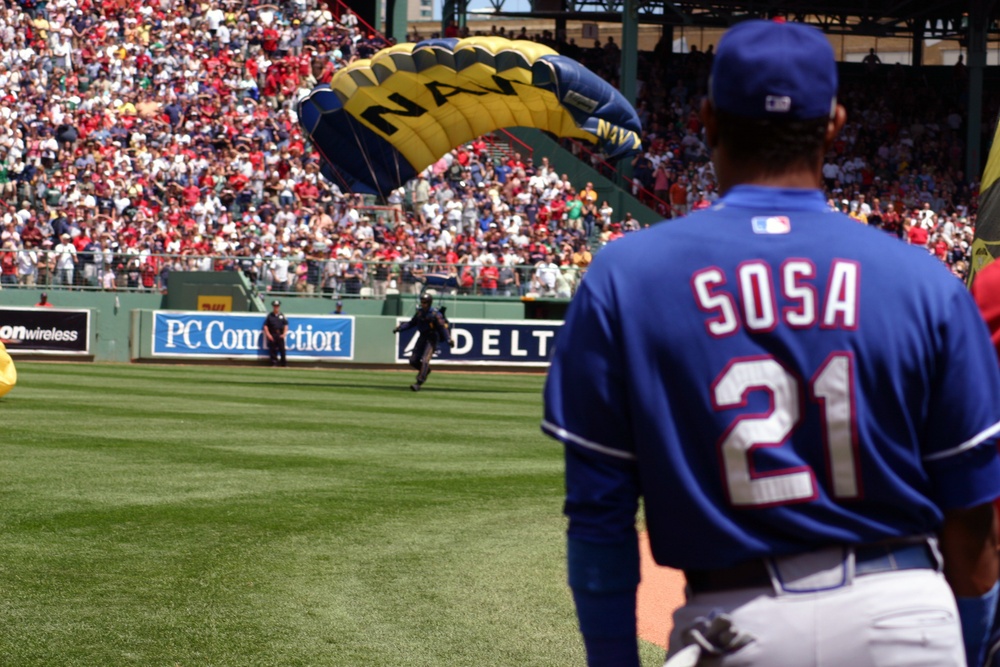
x=709, y=120
x=834, y=126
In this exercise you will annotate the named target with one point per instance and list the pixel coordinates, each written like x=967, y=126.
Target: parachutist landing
x=405, y=119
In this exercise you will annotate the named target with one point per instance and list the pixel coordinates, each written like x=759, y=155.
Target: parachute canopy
x=8, y=374
x=382, y=121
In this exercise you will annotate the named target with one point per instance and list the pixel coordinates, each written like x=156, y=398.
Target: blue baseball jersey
x=770, y=377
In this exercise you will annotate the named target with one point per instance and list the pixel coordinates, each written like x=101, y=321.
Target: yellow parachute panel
x=8, y=374
x=439, y=107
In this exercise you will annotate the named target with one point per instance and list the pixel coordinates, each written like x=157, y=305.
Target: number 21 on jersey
x=831, y=387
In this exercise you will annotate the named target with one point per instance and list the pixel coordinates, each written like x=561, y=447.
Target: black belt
x=868, y=559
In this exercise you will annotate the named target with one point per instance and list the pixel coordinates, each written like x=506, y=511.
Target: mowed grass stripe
x=197, y=515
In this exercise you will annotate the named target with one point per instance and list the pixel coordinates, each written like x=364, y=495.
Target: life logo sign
x=241, y=335
x=494, y=342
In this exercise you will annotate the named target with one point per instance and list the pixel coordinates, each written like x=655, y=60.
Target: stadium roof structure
x=930, y=19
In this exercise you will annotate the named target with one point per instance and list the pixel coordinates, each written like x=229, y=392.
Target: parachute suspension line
x=332, y=170
x=368, y=162
x=343, y=181
x=395, y=165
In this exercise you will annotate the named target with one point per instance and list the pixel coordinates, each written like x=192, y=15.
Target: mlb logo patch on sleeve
x=771, y=224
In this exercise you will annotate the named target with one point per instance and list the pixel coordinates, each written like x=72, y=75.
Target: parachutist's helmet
x=426, y=300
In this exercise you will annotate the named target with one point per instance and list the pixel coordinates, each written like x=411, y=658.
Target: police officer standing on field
x=275, y=330
x=433, y=328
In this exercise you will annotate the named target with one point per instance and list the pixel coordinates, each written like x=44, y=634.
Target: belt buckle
x=813, y=572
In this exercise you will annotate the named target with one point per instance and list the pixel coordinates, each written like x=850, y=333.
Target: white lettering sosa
x=753, y=302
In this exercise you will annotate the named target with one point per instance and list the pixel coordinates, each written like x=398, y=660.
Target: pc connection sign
x=241, y=335
x=45, y=330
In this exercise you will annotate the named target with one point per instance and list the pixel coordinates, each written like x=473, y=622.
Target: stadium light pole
x=396, y=21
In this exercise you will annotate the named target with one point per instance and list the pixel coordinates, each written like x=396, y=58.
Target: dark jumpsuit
x=432, y=328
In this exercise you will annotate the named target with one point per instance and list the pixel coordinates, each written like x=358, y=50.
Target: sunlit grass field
x=204, y=515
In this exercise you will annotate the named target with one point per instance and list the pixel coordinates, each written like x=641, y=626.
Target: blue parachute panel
x=354, y=157
x=595, y=104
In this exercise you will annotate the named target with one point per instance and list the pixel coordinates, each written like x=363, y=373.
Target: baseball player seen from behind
x=806, y=406
x=432, y=327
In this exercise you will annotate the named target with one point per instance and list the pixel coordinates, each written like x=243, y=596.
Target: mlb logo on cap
x=771, y=224
x=769, y=69
x=778, y=103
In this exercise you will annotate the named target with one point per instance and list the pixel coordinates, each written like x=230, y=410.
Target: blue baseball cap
x=774, y=70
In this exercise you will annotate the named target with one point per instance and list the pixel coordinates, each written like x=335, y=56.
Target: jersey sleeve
x=585, y=399
x=585, y=408
x=585, y=392
x=964, y=415
x=408, y=325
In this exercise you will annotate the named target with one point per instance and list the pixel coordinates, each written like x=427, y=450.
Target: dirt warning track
x=661, y=591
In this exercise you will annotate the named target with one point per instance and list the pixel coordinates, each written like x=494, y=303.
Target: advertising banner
x=215, y=303
x=241, y=336
x=495, y=342
x=45, y=331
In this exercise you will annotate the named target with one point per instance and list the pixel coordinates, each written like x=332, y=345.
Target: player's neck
x=795, y=180
x=804, y=177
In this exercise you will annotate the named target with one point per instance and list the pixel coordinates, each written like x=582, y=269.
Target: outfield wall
x=182, y=336
x=123, y=327
x=110, y=317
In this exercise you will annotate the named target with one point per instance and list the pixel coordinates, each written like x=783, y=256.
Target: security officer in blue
x=275, y=330
x=433, y=328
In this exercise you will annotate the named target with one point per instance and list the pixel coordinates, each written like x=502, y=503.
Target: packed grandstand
x=138, y=139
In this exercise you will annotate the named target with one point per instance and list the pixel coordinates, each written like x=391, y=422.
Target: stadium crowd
x=138, y=139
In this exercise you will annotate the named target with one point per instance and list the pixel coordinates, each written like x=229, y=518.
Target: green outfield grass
x=192, y=515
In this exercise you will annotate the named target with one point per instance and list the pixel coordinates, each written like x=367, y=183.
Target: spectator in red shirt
x=915, y=234
x=191, y=194
x=557, y=207
x=8, y=264
x=269, y=39
x=488, y=277
x=678, y=197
